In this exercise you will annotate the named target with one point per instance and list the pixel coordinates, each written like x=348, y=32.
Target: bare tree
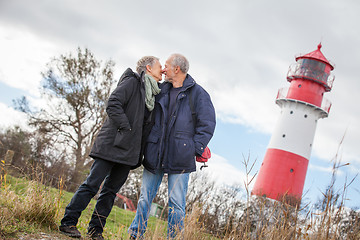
x=17, y=140
x=75, y=89
x=32, y=156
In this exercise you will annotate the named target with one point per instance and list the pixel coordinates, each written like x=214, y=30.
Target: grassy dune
x=31, y=210
x=31, y=207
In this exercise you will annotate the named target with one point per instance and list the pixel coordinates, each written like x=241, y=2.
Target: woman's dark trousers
x=115, y=175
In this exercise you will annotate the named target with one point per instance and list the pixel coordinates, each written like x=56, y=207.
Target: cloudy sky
x=239, y=51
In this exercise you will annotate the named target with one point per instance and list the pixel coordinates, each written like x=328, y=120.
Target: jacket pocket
x=152, y=150
x=123, y=139
x=183, y=153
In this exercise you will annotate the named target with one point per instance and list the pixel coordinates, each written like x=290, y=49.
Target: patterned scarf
x=151, y=89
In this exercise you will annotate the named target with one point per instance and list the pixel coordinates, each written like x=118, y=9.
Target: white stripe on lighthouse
x=295, y=129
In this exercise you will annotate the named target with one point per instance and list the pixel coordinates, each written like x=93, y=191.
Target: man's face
x=168, y=70
x=156, y=71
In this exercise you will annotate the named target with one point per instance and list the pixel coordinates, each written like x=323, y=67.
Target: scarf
x=151, y=89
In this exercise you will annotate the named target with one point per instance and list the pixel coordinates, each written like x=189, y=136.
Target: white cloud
x=223, y=172
x=24, y=56
x=247, y=105
x=10, y=117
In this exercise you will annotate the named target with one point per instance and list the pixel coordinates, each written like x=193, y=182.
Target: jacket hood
x=130, y=73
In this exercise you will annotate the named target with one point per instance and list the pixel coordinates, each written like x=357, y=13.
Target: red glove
x=205, y=156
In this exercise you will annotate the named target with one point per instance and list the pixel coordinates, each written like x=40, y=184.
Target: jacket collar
x=188, y=83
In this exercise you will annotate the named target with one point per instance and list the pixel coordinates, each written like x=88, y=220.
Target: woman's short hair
x=144, y=61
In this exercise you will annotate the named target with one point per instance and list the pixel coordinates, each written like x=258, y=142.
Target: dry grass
x=35, y=206
x=32, y=206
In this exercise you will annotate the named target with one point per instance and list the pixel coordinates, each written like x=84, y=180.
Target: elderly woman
x=117, y=147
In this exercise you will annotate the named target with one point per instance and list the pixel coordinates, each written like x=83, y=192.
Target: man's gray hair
x=144, y=61
x=181, y=61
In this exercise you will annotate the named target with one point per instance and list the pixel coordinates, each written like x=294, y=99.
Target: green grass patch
x=27, y=206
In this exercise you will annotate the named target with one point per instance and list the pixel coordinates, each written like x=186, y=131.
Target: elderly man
x=178, y=135
x=117, y=147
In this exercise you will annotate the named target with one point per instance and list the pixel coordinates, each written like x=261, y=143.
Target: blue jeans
x=115, y=175
x=177, y=189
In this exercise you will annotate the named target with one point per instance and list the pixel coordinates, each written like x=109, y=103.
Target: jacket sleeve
x=205, y=121
x=117, y=103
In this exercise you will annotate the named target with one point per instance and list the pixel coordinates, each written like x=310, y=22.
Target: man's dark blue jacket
x=174, y=142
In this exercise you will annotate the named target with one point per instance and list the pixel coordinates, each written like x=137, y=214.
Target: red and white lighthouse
x=283, y=171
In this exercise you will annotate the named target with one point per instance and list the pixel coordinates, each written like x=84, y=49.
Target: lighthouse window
x=299, y=85
x=312, y=64
x=305, y=116
x=283, y=135
x=291, y=170
x=291, y=112
x=313, y=69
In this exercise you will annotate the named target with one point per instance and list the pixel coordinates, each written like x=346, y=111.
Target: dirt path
x=42, y=236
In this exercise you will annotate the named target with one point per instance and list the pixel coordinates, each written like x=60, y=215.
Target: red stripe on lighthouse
x=306, y=91
x=282, y=175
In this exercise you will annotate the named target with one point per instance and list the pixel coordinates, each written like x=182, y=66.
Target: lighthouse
x=283, y=170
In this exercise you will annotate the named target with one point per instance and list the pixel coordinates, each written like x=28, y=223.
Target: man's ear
x=148, y=68
x=176, y=69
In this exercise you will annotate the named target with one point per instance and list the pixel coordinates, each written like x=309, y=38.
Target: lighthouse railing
x=326, y=105
x=316, y=75
x=282, y=94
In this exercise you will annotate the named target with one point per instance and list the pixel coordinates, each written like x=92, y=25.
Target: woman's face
x=155, y=71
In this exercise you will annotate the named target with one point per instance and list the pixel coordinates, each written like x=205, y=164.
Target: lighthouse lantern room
x=283, y=171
